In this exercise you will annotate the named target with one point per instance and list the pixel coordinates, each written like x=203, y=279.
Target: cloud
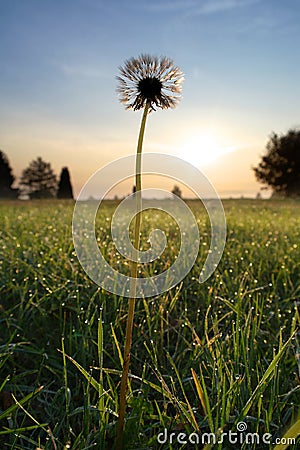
x=81, y=70
x=192, y=7
x=159, y=6
x=217, y=6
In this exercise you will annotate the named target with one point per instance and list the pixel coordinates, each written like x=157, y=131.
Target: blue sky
x=59, y=60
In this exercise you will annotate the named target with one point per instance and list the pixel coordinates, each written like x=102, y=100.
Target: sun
x=202, y=149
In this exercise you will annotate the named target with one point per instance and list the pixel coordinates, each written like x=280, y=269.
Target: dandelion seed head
x=149, y=79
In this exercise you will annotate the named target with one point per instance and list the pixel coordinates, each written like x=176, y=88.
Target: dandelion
x=144, y=82
x=149, y=80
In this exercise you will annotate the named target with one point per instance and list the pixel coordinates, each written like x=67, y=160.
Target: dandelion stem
x=133, y=274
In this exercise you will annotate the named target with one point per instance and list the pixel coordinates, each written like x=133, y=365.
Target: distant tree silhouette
x=38, y=180
x=6, y=178
x=65, y=189
x=280, y=167
x=177, y=191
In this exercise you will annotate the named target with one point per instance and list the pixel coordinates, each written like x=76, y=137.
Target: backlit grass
x=204, y=357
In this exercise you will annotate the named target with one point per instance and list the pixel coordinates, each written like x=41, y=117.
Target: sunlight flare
x=203, y=149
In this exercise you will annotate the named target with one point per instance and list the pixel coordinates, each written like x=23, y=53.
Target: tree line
x=279, y=170
x=37, y=181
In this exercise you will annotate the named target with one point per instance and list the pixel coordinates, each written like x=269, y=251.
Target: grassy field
x=204, y=358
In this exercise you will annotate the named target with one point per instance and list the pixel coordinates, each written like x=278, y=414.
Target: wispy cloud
x=158, y=6
x=197, y=7
x=81, y=70
x=217, y=6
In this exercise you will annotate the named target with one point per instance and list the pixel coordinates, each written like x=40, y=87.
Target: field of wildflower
x=204, y=359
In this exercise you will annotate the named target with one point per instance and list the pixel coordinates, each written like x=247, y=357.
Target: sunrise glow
x=203, y=149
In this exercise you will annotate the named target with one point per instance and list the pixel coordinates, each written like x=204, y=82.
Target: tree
x=280, y=166
x=65, y=189
x=39, y=180
x=6, y=178
x=177, y=191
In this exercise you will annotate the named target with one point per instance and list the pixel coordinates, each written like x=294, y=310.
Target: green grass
x=204, y=357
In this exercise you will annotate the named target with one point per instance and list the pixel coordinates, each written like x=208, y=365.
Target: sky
x=58, y=65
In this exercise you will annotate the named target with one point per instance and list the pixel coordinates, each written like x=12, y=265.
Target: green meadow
x=205, y=357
